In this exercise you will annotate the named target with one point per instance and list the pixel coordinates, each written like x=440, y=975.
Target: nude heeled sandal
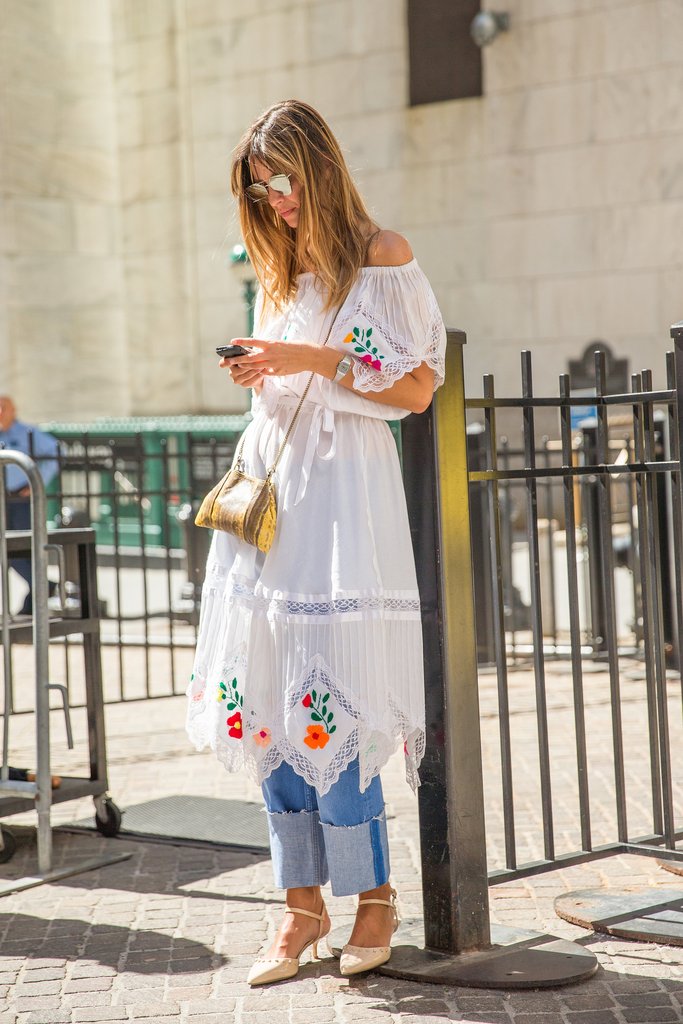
x=266, y=970
x=356, y=959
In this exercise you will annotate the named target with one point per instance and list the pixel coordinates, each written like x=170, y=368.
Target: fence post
x=451, y=797
x=453, y=844
x=676, y=443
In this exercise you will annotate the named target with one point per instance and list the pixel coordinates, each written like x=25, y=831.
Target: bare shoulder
x=389, y=249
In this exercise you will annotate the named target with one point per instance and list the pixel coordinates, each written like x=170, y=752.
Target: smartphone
x=228, y=351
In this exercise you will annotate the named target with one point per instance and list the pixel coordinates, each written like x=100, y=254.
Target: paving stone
x=422, y=1019
x=533, y=1001
x=30, y=1003
x=93, y=984
x=658, y=998
x=267, y=999
x=206, y=1018
x=96, y=1015
x=593, y=1017
x=141, y=995
x=656, y=1014
x=599, y=1000
x=418, y=1005
x=74, y=999
x=162, y=1020
x=497, y=1017
x=198, y=978
x=535, y=1018
x=38, y=988
x=184, y=995
x=633, y=985
x=91, y=971
x=43, y=974
x=215, y=1006
x=155, y=1009
x=49, y=1017
x=274, y=1017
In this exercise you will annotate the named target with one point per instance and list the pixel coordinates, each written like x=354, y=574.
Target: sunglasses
x=258, y=190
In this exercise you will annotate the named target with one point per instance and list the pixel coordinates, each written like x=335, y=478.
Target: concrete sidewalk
x=169, y=934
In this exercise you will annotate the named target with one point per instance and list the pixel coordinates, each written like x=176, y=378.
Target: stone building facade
x=547, y=212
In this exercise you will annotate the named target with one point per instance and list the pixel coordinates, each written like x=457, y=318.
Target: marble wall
x=547, y=213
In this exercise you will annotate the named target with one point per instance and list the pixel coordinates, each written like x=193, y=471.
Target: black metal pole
x=451, y=799
x=590, y=514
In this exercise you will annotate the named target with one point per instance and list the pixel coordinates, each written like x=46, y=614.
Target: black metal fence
x=552, y=542
x=600, y=510
x=139, y=489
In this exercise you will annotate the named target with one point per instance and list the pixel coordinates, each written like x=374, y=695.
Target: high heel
x=277, y=968
x=357, y=959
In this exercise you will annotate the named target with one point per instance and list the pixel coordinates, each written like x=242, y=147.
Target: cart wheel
x=110, y=823
x=10, y=847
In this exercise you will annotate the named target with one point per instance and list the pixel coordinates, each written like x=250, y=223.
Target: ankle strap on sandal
x=383, y=903
x=307, y=913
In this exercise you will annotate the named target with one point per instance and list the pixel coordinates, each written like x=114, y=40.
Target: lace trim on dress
x=401, y=355
x=244, y=589
x=311, y=749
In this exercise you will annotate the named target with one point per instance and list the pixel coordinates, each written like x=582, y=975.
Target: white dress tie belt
x=317, y=420
x=321, y=443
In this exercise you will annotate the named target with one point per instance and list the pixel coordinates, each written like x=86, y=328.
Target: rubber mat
x=199, y=820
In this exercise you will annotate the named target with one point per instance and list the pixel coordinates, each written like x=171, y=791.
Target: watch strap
x=343, y=367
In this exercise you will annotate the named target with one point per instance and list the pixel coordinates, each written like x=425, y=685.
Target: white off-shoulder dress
x=312, y=653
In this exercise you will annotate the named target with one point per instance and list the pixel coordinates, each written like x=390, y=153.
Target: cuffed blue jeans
x=340, y=837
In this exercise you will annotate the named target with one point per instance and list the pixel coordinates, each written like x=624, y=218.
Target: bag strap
x=287, y=436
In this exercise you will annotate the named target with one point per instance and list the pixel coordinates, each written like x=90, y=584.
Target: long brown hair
x=331, y=236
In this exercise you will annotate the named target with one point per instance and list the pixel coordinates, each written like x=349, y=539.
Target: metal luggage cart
x=76, y=558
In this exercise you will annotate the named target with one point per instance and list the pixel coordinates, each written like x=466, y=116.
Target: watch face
x=343, y=367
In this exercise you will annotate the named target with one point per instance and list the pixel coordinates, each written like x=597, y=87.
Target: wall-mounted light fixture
x=487, y=25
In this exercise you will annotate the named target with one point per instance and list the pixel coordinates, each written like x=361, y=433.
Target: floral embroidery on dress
x=235, y=726
x=199, y=694
x=234, y=699
x=317, y=736
x=321, y=711
x=235, y=702
x=262, y=737
x=360, y=338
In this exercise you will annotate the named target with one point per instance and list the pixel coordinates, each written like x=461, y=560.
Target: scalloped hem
x=381, y=749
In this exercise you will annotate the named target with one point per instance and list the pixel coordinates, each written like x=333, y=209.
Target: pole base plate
x=632, y=912
x=517, y=959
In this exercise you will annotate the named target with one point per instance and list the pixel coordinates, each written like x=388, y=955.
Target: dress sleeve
x=391, y=323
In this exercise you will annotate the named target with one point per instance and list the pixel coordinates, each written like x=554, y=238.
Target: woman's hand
x=276, y=359
x=246, y=377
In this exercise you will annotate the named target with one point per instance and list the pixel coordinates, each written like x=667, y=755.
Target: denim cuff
x=297, y=849
x=357, y=855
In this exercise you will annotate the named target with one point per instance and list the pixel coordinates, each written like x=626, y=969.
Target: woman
x=308, y=669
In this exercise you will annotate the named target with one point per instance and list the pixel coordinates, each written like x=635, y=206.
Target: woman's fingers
x=245, y=377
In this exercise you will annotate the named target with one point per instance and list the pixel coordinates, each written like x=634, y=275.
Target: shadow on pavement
x=163, y=868
x=145, y=951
